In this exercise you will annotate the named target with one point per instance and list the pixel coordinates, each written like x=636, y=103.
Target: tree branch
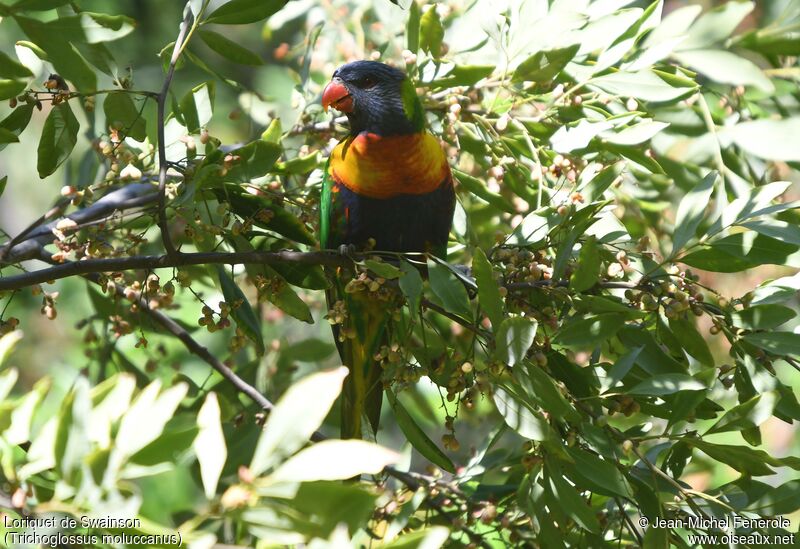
x=162, y=148
x=106, y=265
x=27, y=244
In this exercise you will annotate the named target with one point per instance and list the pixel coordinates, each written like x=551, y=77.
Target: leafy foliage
x=572, y=365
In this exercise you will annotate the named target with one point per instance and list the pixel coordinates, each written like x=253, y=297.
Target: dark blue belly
x=404, y=223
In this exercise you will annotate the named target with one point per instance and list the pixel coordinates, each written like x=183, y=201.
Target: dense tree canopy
x=611, y=340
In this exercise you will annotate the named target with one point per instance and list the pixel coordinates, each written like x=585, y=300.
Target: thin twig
x=188, y=341
x=162, y=148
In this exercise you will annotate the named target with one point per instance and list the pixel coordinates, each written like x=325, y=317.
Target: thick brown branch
x=107, y=265
x=27, y=244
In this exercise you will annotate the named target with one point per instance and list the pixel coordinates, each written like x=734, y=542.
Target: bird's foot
x=347, y=250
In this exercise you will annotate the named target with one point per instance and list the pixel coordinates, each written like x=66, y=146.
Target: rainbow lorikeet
x=387, y=186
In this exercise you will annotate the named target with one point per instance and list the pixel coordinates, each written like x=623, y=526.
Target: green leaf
x=384, y=270
x=597, y=474
x=569, y=501
x=644, y=85
x=335, y=460
x=13, y=69
x=783, y=500
x=283, y=296
x=300, y=165
x=771, y=41
x=762, y=317
x=273, y=132
x=768, y=139
x=569, y=138
x=779, y=230
x=54, y=37
x=779, y=343
x=690, y=211
x=739, y=251
x=17, y=121
x=241, y=12
x=525, y=421
x=3, y=181
x=747, y=415
x=229, y=49
x=620, y=369
x=412, y=27
x=102, y=27
x=431, y=32
x=242, y=312
x=59, y=136
x=691, y=340
x=123, y=115
x=197, y=107
x=594, y=188
x=38, y=5
x=145, y=420
x=544, y=65
x=296, y=415
x=716, y=25
x=448, y=289
x=411, y=285
x=637, y=133
x=332, y=505
x=476, y=187
x=257, y=159
x=666, y=384
x=463, y=75
x=513, y=338
x=72, y=432
x=19, y=429
x=741, y=458
x=10, y=88
x=588, y=271
x=427, y=538
x=308, y=350
x=588, y=332
x=726, y=68
x=7, y=137
x=8, y=378
x=488, y=290
x=540, y=388
x=417, y=437
x=209, y=446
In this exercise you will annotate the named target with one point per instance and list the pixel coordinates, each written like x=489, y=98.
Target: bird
x=387, y=186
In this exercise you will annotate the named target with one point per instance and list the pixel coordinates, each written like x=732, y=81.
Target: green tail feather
x=362, y=394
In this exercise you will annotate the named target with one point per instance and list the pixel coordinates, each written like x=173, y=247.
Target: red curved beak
x=336, y=95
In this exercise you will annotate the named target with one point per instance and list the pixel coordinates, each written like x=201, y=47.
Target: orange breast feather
x=383, y=167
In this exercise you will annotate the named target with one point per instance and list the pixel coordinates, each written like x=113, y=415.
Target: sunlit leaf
x=431, y=32
x=335, y=460
x=209, y=446
x=690, y=211
x=298, y=413
x=513, y=338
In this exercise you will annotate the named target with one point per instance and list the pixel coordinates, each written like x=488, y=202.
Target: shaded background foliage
x=625, y=171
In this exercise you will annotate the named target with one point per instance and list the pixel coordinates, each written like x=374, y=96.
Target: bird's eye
x=365, y=82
